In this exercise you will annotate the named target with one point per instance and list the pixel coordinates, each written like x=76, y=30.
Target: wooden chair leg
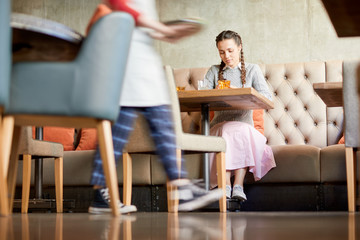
x=13, y=166
x=59, y=184
x=127, y=179
x=6, y=131
x=26, y=183
x=107, y=155
x=350, y=155
x=173, y=203
x=4, y=209
x=221, y=172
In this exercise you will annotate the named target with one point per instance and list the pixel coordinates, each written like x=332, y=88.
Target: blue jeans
x=162, y=132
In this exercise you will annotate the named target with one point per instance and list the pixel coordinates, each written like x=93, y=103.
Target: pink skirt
x=245, y=148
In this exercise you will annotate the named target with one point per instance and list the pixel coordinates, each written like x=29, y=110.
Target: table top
x=38, y=39
x=330, y=93
x=223, y=99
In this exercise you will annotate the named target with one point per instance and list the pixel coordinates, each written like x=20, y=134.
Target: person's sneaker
x=228, y=191
x=192, y=197
x=238, y=193
x=100, y=204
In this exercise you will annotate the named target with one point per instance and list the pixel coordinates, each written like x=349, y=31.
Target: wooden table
x=330, y=93
x=219, y=99
x=38, y=39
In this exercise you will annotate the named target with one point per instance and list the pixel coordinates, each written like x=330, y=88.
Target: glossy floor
x=199, y=225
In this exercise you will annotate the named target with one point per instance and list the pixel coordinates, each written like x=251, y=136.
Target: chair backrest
x=102, y=62
x=5, y=52
x=351, y=102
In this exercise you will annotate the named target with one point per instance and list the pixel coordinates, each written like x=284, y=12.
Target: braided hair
x=227, y=34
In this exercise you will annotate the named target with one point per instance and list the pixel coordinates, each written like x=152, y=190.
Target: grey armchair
x=81, y=93
x=29, y=149
x=5, y=66
x=352, y=119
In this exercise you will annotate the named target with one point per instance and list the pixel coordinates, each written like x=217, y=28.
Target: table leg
x=38, y=167
x=205, y=130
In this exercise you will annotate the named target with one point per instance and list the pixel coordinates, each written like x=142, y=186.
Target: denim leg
x=162, y=131
x=120, y=134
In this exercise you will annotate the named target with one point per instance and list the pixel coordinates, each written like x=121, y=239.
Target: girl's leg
x=162, y=132
x=120, y=134
x=239, y=176
x=228, y=178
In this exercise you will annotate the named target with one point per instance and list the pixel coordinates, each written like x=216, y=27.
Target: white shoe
x=228, y=191
x=238, y=193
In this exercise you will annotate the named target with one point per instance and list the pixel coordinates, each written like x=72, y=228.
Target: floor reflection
x=197, y=225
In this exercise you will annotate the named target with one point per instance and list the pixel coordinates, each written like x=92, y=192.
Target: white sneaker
x=238, y=193
x=228, y=191
x=192, y=197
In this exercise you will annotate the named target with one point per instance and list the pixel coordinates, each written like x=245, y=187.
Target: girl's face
x=229, y=52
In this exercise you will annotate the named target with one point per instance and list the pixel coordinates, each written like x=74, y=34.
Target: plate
x=186, y=26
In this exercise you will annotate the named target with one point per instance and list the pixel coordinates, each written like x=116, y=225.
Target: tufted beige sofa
x=303, y=134
x=302, y=131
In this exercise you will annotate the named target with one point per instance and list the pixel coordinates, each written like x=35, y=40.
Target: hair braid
x=227, y=34
x=221, y=71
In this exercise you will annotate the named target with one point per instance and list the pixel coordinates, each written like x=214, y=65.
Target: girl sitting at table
x=245, y=146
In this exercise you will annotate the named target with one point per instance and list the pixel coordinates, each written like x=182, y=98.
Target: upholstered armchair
x=81, y=93
x=352, y=120
x=140, y=142
x=30, y=148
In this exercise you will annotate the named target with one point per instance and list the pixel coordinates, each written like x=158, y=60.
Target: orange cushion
x=65, y=136
x=100, y=11
x=342, y=140
x=88, y=139
x=259, y=120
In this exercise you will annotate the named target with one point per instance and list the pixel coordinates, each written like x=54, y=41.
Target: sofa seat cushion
x=294, y=164
x=333, y=164
x=78, y=166
x=193, y=165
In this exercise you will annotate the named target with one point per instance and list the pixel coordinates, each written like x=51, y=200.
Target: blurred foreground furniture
x=5, y=69
x=29, y=149
x=81, y=93
x=352, y=130
x=345, y=16
x=141, y=142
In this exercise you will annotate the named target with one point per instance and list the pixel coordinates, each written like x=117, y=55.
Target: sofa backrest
x=299, y=116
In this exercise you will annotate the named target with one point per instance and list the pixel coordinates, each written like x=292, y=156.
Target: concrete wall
x=273, y=31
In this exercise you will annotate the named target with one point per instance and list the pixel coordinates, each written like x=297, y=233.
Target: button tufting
x=305, y=141
x=315, y=123
x=334, y=123
x=305, y=76
x=295, y=93
x=276, y=125
x=285, y=77
x=189, y=81
x=295, y=124
x=305, y=108
x=286, y=109
x=275, y=93
x=286, y=141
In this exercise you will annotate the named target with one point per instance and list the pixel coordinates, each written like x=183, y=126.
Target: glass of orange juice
x=224, y=84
